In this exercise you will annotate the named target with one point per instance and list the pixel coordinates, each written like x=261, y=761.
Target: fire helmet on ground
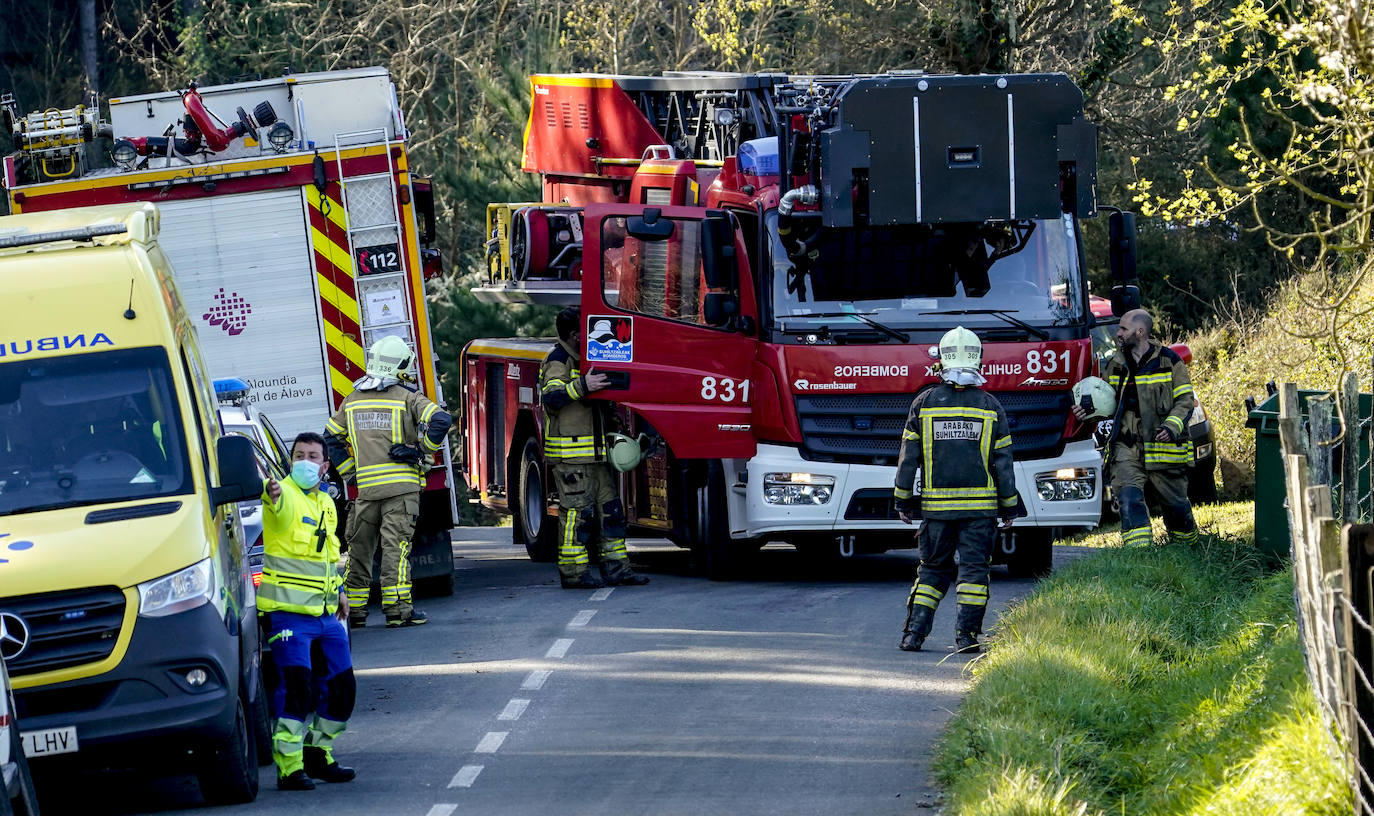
x=389, y=357
x=1096, y=397
x=626, y=453
x=961, y=348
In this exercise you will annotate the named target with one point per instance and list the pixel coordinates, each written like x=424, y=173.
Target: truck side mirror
x=719, y=264
x=650, y=226
x=1125, y=299
x=238, y=471
x=424, y=210
x=1121, y=229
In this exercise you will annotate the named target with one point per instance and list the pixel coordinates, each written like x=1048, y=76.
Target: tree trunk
x=90, y=51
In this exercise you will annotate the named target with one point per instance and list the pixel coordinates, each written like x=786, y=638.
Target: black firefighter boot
x=585, y=580
x=618, y=573
x=968, y=625
x=918, y=621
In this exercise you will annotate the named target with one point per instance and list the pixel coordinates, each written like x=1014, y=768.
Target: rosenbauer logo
x=807, y=385
x=229, y=312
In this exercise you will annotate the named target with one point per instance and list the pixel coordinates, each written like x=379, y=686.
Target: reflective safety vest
x=300, y=552
x=959, y=440
x=574, y=428
x=1164, y=398
x=369, y=423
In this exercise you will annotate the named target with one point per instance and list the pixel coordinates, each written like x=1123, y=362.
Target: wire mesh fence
x=1325, y=439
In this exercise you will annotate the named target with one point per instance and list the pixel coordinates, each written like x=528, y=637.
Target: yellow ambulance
x=128, y=618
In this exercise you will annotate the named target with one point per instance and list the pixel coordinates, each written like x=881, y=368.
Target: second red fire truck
x=764, y=265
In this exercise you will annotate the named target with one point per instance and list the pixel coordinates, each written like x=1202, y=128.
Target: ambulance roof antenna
x=129, y=312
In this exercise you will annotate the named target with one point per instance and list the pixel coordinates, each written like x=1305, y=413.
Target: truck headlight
x=182, y=590
x=1067, y=484
x=797, y=488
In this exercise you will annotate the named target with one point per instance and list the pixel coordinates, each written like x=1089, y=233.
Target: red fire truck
x=765, y=264
x=298, y=232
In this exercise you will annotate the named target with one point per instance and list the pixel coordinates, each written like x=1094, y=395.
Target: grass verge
x=1156, y=680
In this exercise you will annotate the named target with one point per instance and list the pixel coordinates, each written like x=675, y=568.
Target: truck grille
x=867, y=428
x=66, y=628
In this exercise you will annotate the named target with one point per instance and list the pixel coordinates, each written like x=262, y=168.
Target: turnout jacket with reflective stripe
x=574, y=427
x=959, y=440
x=1165, y=397
x=300, y=552
x=362, y=431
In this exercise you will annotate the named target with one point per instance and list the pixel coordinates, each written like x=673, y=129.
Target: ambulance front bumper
x=860, y=496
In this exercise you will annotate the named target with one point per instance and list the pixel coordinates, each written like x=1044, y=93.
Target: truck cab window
x=654, y=278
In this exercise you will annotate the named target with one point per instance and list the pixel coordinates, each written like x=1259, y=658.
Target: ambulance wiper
x=1005, y=315
x=895, y=334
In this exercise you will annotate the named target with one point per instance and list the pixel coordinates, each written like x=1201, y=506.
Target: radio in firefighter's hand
x=957, y=439
x=362, y=436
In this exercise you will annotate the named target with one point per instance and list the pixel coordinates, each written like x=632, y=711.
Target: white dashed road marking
x=513, y=710
x=602, y=594
x=491, y=743
x=442, y=810
x=582, y=618
x=559, y=648
x=536, y=679
x=463, y=779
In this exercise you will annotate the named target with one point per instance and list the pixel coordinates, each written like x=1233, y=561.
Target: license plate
x=49, y=741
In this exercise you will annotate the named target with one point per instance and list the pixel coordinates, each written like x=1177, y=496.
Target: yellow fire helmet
x=960, y=348
x=389, y=358
x=1096, y=397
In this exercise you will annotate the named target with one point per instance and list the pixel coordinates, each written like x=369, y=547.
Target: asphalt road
x=784, y=693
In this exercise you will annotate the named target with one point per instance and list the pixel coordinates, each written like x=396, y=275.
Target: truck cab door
x=669, y=312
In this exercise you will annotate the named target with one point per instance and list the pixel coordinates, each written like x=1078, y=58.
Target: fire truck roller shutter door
x=244, y=267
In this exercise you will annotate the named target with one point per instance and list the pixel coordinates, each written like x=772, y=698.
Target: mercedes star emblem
x=14, y=635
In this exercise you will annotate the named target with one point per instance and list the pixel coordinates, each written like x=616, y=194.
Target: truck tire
x=27, y=802
x=262, y=722
x=715, y=553
x=1034, y=554
x=531, y=524
x=228, y=773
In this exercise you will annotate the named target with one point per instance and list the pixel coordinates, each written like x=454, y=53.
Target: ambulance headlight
x=797, y=488
x=182, y=590
x=1067, y=484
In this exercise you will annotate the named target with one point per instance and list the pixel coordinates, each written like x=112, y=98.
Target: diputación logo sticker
x=610, y=339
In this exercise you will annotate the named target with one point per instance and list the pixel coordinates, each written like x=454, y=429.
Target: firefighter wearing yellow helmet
x=958, y=443
x=383, y=437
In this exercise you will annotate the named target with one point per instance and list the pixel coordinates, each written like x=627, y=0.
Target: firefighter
x=1149, y=441
x=299, y=597
x=575, y=447
x=957, y=440
x=382, y=436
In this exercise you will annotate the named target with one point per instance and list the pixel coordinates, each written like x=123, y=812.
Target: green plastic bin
x=1271, y=510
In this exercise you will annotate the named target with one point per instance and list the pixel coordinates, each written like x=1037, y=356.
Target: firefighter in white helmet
x=958, y=443
x=383, y=436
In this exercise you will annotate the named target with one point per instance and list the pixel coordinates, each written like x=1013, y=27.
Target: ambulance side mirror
x=238, y=471
x=1121, y=238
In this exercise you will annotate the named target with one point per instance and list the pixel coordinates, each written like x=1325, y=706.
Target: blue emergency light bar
x=231, y=389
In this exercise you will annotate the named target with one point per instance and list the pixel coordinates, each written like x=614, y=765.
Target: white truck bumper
x=849, y=511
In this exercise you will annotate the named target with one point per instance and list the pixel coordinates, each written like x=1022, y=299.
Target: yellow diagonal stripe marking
x=336, y=213
x=347, y=345
x=339, y=298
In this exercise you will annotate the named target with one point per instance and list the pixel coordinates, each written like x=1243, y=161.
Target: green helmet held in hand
x=626, y=453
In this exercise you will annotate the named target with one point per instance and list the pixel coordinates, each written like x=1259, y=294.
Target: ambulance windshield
x=88, y=429
x=922, y=276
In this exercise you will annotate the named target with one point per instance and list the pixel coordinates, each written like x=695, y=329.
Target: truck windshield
x=88, y=429
x=919, y=276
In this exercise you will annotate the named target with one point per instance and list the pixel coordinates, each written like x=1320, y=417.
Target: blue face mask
x=305, y=473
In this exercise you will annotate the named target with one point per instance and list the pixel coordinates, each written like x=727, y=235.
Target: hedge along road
x=782, y=693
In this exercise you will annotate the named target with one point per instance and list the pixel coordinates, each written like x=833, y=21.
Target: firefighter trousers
x=1129, y=478
x=940, y=540
x=589, y=509
x=390, y=524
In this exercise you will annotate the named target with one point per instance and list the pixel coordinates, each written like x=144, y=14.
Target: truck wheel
x=712, y=548
x=26, y=804
x=532, y=526
x=1034, y=554
x=228, y=773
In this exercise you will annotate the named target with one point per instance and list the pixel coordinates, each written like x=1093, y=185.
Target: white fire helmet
x=1096, y=397
x=389, y=357
x=960, y=348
